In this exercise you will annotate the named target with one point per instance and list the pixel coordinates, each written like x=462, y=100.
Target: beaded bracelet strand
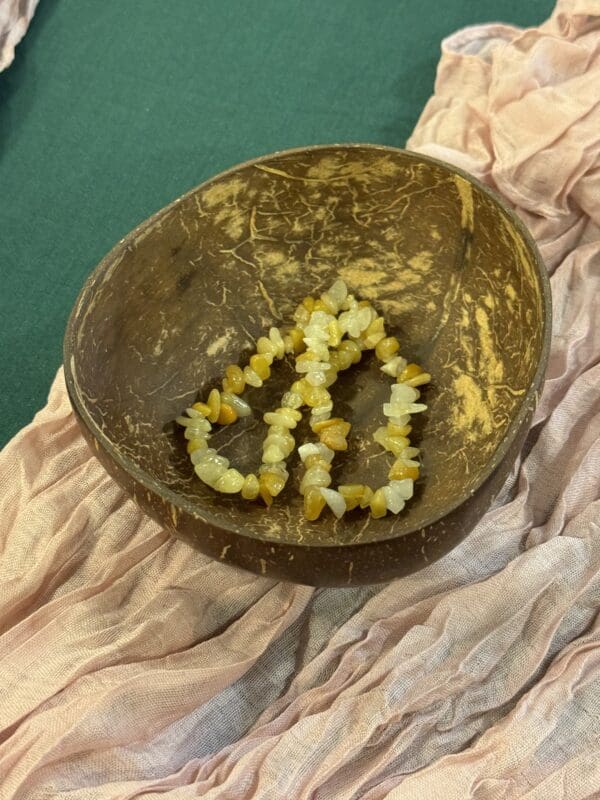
x=317, y=459
x=226, y=406
x=321, y=351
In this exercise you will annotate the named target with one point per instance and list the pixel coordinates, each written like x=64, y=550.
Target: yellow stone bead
x=227, y=415
x=214, y=404
x=317, y=427
x=317, y=461
x=377, y=326
x=399, y=472
x=386, y=348
x=374, y=333
x=251, y=377
x=378, y=505
x=398, y=430
x=286, y=417
x=337, y=423
x=334, y=435
x=264, y=345
x=395, y=444
x=270, y=485
x=297, y=337
x=330, y=378
x=353, y=348
x=251, y=487
x=335, y=361
x=367, y=496
x=352, y=494
x=333, y=441
x=196, y=444
x=304, y=357
x=273, y=482
x=315, y=396
x=409, y=372
x=260, y=365
x=266, y=496
x=314, y=503
x=325, y=304
x=234, y=376
x=334, y=330
x=419, y=380
x=302, y=315
x=231, y=482
x=299, y=387
x=343, y=360
x=202, y=408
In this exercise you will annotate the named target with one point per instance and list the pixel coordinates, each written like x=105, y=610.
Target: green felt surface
x=113, y=108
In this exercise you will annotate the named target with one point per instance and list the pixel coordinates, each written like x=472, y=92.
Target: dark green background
x=113, y=107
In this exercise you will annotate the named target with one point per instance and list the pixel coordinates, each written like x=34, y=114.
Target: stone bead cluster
x=330, y=334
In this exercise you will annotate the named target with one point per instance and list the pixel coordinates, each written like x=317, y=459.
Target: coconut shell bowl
x=453, y=271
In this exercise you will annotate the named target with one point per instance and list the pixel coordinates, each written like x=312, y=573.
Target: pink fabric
x=15, y=16
x=132, y=667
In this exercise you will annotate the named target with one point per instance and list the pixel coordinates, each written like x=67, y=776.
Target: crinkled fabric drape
x=132, y=667
x=15, y=16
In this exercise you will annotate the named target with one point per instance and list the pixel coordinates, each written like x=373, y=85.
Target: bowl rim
x=181, y=503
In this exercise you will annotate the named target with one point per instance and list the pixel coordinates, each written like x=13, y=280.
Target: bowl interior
x=191, y=289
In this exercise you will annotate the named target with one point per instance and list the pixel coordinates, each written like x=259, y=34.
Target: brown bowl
x=453, y=270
